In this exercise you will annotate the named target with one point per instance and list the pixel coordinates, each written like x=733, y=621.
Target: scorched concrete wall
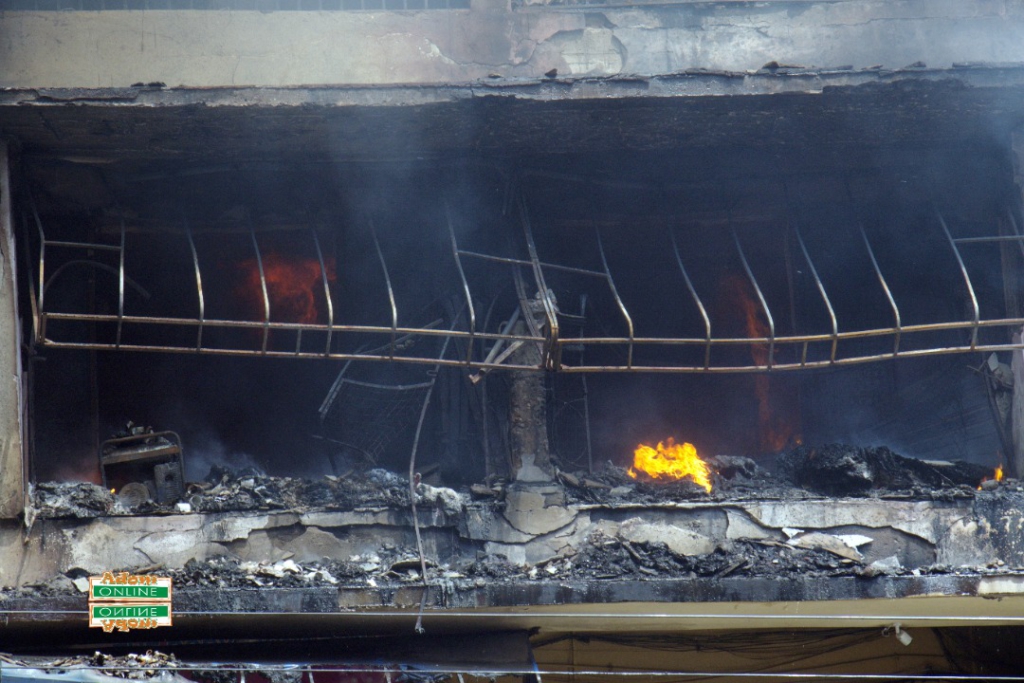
x=492, y=39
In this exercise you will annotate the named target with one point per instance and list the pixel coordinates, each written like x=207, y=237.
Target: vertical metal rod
x=618, y=299
x=412, y=476
x=885, y=288
x=32, y=301
x=199, y=286
x=586, y=392
x=41, y=332
x=760, y=296
x=263, y=284
x=696, y=299
x=1016, y=229
x=120, y=290
x=465, y=283
x=821, y=290
x=327, y=292
x=391, y=291
x=967, y=279
x=552, y=355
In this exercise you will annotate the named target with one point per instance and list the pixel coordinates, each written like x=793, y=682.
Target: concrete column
x=12, y=460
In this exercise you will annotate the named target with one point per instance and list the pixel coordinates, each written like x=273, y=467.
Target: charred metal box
x=150, y=459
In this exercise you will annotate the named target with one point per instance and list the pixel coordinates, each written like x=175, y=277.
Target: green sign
x=131, y=611
x=106, y=592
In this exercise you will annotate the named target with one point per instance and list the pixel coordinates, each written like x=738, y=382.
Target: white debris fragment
x=791, y=531
x=815, y=540
x=371, y=582
x=272, y=571
x=184, y=508
x=888, y=565
x=678, y=539
x=855, y=540
x=289, y=566
x=449, y=500
x=82, y=584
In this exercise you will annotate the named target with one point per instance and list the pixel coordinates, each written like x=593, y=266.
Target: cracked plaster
x=219, y=48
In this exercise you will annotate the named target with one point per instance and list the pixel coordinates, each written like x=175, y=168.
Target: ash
x=79, y=500
x=803, y=473
x=152, y=665
x=226, y=491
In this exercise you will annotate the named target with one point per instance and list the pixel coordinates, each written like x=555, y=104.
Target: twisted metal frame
x=480, y=345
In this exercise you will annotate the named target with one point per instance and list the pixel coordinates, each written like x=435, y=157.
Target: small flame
x=997, y=475
x=673, y=461
x=778, y=423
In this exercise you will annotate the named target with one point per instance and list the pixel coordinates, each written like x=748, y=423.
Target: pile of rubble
x=842, y=470
x=151, y=665
x=802, y=473
x=224, y=491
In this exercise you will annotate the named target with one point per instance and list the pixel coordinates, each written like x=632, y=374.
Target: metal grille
x=620, y=347
x=371, y=419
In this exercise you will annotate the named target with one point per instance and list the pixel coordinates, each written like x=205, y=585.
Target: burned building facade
x=350, y=317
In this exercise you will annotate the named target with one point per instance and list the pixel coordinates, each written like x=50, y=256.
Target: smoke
x=208, y=451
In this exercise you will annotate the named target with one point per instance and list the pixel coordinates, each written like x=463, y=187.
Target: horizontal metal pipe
x=523, y=613
x=668, y=341
x=679, y=369
x=994, y=238
x=82, y=245
x=799, y=339
x=856, y=360
x=521, y=262
x=314, y=327
x=415, y=360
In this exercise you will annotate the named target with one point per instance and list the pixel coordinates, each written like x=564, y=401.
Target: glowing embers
x=294, y=286
x=670, y=460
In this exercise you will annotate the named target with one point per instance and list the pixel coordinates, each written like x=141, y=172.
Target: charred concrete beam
x=495, y=37
x=842, y=114
x=578, y=606
x=864, y=537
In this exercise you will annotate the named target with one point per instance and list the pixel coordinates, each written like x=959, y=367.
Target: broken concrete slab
x=537, y=509
x=679, y=540
x=837, y=545
x=926, y=519
x=742, y=526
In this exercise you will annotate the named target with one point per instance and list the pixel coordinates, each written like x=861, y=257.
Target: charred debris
x=631, y=549
x=801, y=473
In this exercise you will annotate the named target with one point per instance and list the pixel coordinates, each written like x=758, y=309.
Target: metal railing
x=529, y=271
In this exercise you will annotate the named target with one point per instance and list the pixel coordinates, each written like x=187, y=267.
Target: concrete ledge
x=946, y=600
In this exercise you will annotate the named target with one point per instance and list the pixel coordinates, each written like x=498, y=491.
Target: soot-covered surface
x=801, y=473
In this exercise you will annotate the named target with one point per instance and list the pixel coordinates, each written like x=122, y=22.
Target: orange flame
x=776, y=432
x=997, y=475
x=672, y=461
x=292, y=286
